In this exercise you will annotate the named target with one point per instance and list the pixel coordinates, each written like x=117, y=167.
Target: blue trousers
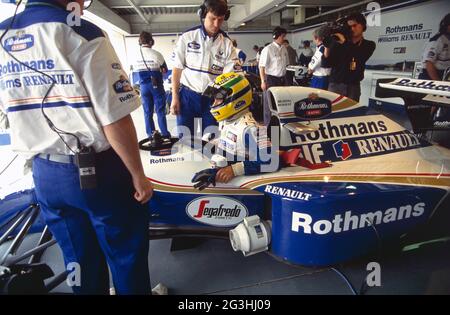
x=319, y=82
x=194, y=105
x=154, y=100
x=99, y=227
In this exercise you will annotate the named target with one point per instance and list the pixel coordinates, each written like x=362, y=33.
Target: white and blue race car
x=381, y=182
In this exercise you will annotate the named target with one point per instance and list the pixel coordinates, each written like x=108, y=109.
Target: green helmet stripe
x=236, y=80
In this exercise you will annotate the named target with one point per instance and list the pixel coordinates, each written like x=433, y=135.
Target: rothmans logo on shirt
x=19, y=42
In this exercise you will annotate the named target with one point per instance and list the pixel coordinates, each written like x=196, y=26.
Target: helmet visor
x=218, y=93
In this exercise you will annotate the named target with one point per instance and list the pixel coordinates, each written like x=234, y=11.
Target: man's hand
x=225, y=175
x=175, y=106
x=264, y=85
x=144, y=189
x=340, y=38
x=122, y=137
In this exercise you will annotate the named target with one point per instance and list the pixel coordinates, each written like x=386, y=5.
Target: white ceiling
x=174, y=16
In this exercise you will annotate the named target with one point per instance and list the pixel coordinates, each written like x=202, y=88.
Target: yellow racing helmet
x=232, y=94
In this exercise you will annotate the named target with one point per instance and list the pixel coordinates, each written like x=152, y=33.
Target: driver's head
x=232, y=94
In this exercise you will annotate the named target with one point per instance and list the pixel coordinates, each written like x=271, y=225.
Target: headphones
x=203, y=10
x=277, y=32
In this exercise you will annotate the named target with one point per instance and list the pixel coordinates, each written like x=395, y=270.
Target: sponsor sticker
x=239, y=105
x=122, y=85
x=116, y=66
x=217, y=211
x=126, y=98
x=194, y=45
x=216, y=68
x=288, y=193
x=19, y=42
x=231, y=136
x=305, y=223
x=423, y=84
x=312, y=107
x=342, y=150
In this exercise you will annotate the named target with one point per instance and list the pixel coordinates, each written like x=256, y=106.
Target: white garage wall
x=428, y=14
x=165, y=44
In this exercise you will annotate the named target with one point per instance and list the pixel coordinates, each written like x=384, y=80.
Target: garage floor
x=213, y=268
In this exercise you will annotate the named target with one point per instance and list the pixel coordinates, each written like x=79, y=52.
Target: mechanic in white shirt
x=150, y=67
x=86, y=102
x=242, y=56
x=436, y=57
x=320, y=74
x=201, y=54
x=272, y=66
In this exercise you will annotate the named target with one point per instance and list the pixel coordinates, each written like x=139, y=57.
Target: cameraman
x=346, y=52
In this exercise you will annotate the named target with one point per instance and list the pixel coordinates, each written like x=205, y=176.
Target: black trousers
x=352, y=91
x=271, y=82
x=290, y=78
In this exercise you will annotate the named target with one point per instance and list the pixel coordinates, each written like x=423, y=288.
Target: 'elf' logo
x=342, y=150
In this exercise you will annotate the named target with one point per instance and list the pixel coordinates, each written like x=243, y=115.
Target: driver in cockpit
x=243, y=147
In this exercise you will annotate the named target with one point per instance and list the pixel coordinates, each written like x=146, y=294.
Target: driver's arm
x=432, y=71
x=262, y=158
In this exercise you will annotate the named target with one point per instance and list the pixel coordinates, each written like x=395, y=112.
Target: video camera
x=330, y=30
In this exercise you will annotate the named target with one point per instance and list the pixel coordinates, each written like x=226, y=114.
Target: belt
x=182, y=86
x=60, y=158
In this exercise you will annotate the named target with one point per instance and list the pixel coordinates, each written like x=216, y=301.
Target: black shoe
x=155, y=139
x=167, y=139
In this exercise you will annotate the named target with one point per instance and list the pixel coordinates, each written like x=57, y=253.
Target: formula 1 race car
x=361, y=180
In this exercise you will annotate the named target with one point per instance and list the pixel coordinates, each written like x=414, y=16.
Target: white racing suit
x=246, y=146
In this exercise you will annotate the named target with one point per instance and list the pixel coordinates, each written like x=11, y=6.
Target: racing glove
x=205, y=178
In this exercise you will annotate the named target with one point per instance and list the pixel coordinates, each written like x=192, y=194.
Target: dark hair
x=278, y=31
x=444, y=24
x=255, y=47
x=216, y=7
x=286, y=41
x=145, y=38
x=306, y=43
x=234, y=43
x=358, y=18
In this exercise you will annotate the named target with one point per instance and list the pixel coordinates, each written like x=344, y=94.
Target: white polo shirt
x=91, y=90
x=203, y=58
x=437, y=51
x=274, y=58
x=153, y=59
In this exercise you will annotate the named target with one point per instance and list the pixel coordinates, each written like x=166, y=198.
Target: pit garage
x=356, y=198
